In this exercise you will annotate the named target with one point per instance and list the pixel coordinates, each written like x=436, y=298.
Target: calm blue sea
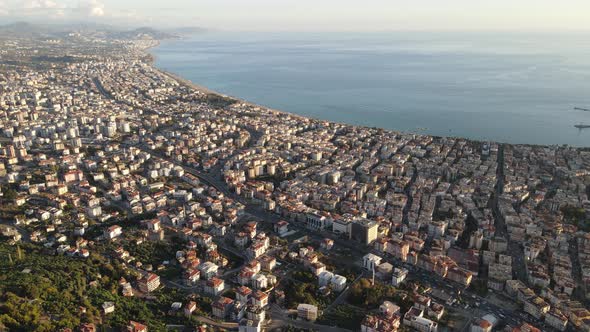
x=507, y=87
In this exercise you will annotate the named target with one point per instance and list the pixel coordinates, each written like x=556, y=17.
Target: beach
x=441, y=90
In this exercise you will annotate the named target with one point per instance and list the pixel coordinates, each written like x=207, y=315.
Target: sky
x=311, y=15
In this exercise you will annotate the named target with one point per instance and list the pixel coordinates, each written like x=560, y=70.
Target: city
x=132, y=200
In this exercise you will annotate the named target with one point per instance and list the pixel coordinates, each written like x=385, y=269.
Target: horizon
x=306, y=15
x=205, y=29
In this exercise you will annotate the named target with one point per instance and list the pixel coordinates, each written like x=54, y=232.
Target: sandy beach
x=205, y=90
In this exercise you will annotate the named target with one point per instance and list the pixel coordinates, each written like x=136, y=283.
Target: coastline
x=188, y=83
x=176, y=77
x=203, y=89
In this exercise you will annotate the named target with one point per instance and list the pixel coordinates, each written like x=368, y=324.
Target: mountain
x=143, y=32
x=29, y=30
x=22, y=30
x=186, y=31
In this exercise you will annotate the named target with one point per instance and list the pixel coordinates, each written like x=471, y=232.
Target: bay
x=501, y=86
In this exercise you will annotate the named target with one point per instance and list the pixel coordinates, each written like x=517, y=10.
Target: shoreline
x=176, y=77
x=206, y=90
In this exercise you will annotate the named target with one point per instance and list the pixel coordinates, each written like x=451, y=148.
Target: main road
x=417, y=273
x=514, y=248
x=214, y=179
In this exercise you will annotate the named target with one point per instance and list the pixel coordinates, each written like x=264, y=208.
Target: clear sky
x=299, y=15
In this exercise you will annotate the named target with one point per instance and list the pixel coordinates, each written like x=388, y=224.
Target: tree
x=48, y=298
x=10, y=194
x=363, y=293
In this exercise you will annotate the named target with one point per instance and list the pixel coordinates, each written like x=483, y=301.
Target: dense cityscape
x=133, y=200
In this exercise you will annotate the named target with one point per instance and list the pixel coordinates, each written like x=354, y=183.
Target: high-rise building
x=110, y=129
x=364, y=230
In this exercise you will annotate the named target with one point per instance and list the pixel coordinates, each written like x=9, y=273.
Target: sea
x=511, y=87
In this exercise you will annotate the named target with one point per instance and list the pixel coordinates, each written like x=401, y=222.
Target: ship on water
x=581, y=125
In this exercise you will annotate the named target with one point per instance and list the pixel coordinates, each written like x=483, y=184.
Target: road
x=426, y=277
x=501, y=229
x=514, y=248
x=280, y=318
x=224, y=325
x=483, y=306
x=473, y=300
x=214, y=179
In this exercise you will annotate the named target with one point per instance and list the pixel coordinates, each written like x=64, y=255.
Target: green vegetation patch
x=42, y=292
x=345, y=316
x=366, y=295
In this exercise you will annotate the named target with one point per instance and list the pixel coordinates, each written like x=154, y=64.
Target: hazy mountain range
x=30, y=30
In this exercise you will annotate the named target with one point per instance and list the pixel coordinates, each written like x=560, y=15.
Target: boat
x=581, y=109
x=582, y=126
